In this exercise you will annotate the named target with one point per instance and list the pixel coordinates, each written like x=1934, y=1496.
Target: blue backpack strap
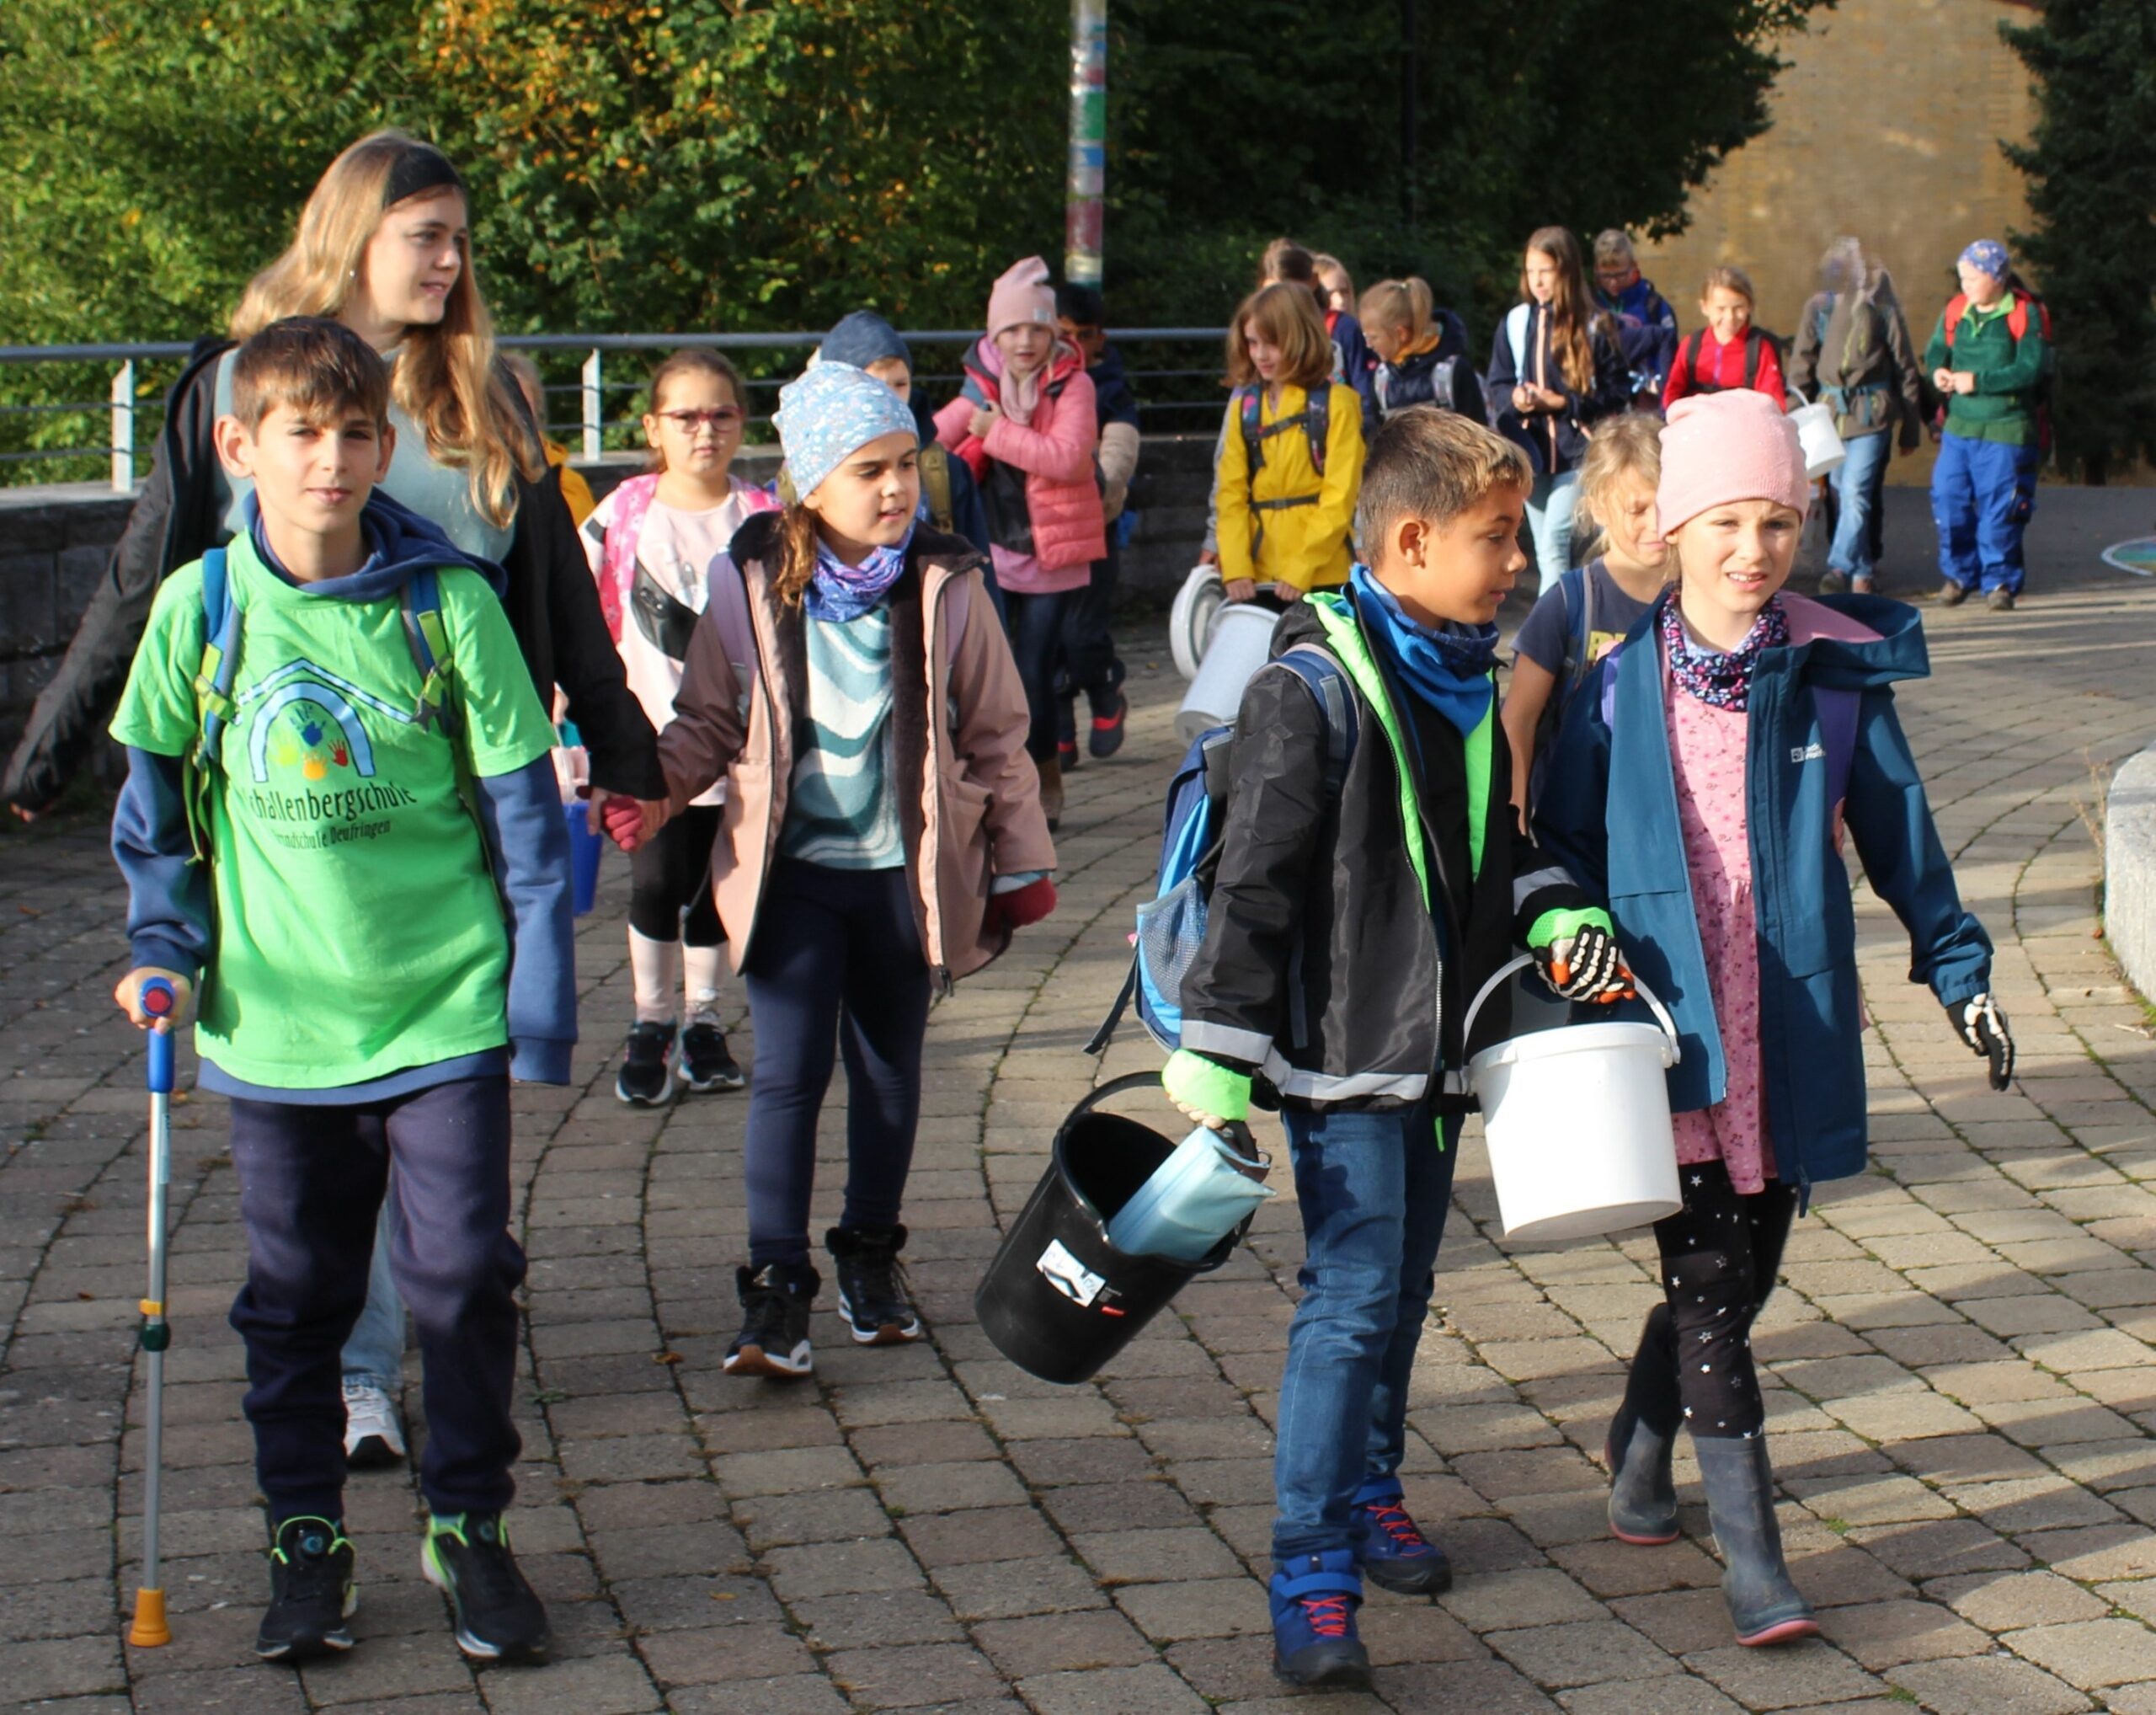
x=213, y=696
x=1317, y=423
x=428, y=638
x=1327, y=680
x=1248, y=416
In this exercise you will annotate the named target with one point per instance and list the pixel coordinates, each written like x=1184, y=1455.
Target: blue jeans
x=1374, y=1190
x=1982, y=493
x=1859, y=483
x=375, y=1349
x=1550, y=523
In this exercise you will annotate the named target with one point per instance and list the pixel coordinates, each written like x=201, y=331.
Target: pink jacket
x=1055, y=451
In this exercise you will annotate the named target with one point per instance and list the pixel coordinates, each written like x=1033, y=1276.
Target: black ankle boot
x=1764, y=1603
x=1643, y=1439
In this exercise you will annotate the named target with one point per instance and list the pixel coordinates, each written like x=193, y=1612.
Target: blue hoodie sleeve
x=528, y=841
x=168, y=892
x=1890, y=819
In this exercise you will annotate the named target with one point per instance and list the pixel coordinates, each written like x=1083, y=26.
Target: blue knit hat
x=1989, y=255
x=864, y=338
x=831, y=411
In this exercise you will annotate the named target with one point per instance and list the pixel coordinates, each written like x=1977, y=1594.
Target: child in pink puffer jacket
x=1025, y=426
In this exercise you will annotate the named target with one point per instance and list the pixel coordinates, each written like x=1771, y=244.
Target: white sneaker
x=373, y=1437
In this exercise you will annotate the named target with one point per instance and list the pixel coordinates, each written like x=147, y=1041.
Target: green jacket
x=2008, y=372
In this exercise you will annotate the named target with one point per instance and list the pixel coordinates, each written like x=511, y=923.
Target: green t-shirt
x=357, y=929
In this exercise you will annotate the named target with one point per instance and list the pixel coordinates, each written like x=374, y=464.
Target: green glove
x=1204, y=1089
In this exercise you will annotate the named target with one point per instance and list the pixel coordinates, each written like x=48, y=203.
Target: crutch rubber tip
x=149, y=1630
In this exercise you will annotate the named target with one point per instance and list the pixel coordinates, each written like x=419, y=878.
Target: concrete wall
x=54, y=543
x=2130, y=869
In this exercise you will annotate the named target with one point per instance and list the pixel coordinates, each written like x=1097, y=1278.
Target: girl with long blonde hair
x=1556, y=368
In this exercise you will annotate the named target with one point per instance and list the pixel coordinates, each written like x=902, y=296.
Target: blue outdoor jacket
x=1612, y=773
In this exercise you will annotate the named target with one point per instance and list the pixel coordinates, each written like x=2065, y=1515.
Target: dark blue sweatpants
x=827, y=939
x=312, y=1182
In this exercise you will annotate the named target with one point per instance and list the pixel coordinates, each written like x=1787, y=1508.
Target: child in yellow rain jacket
x=1291, y=454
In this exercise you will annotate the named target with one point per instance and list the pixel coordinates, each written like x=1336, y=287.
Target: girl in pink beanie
x=1025, y=426
x=1732, y=737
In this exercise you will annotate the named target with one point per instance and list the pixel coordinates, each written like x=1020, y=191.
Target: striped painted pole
x=1089, y=132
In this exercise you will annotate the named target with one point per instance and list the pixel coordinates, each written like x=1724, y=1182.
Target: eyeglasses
x=689, y=422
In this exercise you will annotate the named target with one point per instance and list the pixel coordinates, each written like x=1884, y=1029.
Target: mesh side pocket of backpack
x=1170, y=931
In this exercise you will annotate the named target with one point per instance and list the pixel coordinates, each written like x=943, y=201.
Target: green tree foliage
x=2092, y=186
x=761, y=164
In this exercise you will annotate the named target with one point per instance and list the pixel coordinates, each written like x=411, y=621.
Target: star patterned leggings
x=1720, y=1255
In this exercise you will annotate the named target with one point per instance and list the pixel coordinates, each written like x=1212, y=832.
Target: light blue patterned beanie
x=829, y=412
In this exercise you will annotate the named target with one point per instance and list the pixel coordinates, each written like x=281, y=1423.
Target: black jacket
x=1322, y=967
x=1557, y=440
x=1445, y=375
x=551, y=603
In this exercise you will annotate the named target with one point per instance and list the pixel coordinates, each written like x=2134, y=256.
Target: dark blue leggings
x=828, y=938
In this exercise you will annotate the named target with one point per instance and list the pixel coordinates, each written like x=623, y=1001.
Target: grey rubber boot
x=1642, y=1492
x=1764, y=1603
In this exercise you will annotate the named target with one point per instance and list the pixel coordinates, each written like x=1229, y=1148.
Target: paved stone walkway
x=1962, y=1389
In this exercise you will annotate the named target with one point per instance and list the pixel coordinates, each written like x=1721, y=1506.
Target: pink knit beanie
x=1729, y=446
x=1022, y=295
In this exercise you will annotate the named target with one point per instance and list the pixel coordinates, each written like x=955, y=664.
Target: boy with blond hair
x=1356, y=911
x=340, y=825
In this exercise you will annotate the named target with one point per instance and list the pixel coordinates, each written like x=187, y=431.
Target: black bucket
x=1059, y=1301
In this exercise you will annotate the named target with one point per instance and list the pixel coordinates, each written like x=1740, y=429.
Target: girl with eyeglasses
x=652, y=544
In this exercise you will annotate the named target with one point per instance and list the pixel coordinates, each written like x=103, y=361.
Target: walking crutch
x=159, y=1000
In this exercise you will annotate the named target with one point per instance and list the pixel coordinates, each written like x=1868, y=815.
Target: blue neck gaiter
x=1448, y=667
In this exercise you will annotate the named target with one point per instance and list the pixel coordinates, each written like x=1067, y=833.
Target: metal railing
x=1173, y=394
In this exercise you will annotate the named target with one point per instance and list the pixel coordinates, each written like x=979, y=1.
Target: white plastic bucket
x=1821, y=447
x=1242, y=641
x=1198, y=604
x=1577, y=1121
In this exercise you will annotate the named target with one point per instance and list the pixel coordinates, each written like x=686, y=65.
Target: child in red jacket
x=1729, y=351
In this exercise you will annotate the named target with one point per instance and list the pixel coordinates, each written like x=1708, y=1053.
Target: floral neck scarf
x=1721, y=681
x=839, y=593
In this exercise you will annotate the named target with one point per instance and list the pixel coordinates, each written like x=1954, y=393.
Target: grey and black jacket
x=1323, y=968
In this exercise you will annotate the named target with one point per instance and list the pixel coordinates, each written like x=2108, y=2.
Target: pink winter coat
x=1055, y=451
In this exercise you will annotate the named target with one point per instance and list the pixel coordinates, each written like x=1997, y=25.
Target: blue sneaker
x=1393, y=1553
x=1315, y=1597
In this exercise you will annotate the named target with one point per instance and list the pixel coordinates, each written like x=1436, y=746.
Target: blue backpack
x=1172, y=924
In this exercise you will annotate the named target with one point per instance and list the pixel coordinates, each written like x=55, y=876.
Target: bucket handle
x=1237, y=1136
x=1654, y=1005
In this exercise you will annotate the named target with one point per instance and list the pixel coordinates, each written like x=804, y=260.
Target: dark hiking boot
x=775, y=1300
x=1315, y=1642
x=873, y=1296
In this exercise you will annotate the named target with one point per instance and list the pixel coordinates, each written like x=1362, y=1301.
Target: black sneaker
x=498, y=1616
x=312, y=1595
x=2001, y=602
x=1951, y=594
x=872, y=1288
x=774, y=1337
x=647, y=1074
x=707, y=1063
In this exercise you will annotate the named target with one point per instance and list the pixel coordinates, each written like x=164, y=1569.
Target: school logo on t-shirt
x=303, y=732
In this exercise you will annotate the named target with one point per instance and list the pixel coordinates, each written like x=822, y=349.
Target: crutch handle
x=160, y=1000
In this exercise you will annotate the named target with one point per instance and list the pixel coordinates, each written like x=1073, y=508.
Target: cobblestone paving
x=1962, y=1393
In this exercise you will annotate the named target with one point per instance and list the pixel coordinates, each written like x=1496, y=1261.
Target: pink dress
x=1707, y=753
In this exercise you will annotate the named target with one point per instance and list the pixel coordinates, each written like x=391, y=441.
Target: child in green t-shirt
x=344, y=846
